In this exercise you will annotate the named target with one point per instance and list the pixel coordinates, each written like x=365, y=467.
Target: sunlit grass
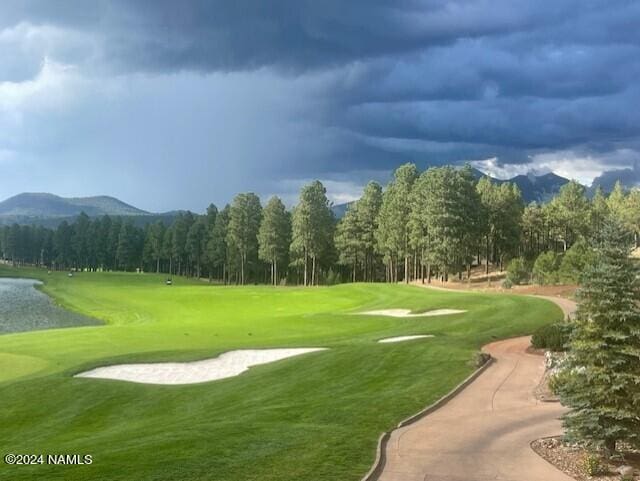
x=313, y=417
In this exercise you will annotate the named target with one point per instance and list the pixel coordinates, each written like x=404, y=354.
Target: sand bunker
x=404, y=338
x=226, y=365
x=407, y=313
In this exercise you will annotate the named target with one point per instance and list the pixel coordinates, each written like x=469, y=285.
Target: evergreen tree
x=312, y=230
x=167, y=247
x=393, y=231
x=112, y=244
x=274, y=236
x=502, y=211
x=154, y=243
x=418, y=222
x=575, y=262
x=348, y=240
x=62, y=243
x=245, y=215
x=102, y=241
x=127, y=252
x=599, y=211
x=569, y=214
x=180, y=230
x=217, y=252
x=600, y=382
x=196, y=243
x=617, y=201
x=212, y=213
x=367, y=212
x=534, y=231
x=80, y=240
x=451, y=209
x=632, y=217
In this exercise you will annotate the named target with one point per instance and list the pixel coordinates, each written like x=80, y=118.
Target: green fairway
x=314, y=417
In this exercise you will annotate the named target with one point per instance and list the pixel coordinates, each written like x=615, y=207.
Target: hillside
x=27, y=207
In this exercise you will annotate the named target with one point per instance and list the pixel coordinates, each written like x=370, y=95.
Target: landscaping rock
x=626, y=472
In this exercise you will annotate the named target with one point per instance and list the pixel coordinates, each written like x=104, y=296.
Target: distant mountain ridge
x=49, y=209
x=50, y=205
x=538, y=188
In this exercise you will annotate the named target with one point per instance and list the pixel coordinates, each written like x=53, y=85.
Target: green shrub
x=575, y=261
x=507, y=284
x=555, y=380
x=518, y=271
x=332, y=278
x=553, y=337
x=592, y=465
x=545, y=269
x=480, y=359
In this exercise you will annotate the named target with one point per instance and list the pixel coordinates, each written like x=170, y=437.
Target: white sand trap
x=407, y=313
x=226, y=365
x=404, y=338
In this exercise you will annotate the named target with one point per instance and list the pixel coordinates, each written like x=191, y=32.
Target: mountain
x=534, y=188
x=627, y=177
x=538, y=188
x=31, y=207
x=339, y=210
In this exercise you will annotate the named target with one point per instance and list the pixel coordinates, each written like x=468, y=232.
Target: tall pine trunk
x=242, y=268
x=306, y=263
x=313, y=270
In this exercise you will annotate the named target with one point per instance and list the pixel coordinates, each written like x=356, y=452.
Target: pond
x=25, y=308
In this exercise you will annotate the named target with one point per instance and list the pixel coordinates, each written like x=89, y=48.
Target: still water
x=24, y=308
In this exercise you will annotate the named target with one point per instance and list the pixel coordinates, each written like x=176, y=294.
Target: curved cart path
x=484, y=433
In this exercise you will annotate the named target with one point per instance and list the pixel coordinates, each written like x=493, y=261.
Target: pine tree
x=217, y=246
x=393, y=231
x=167, y=247
x=569, y=213
x=127, y=250
x=368, y=209
x=154, y=243
x=312, y=230
x=242, y=235
x=601, y=380
x=599, y=211
x=196, y=242
x=274, y=236
x=348, y=240
x=449, y=204
x=617, y=200
x=180, y=230
x=533, y=237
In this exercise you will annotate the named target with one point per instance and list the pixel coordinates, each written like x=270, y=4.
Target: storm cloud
x=175, y=104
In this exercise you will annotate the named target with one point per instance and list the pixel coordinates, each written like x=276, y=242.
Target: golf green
x=313, y=417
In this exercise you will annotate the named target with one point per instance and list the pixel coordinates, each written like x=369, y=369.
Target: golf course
x=315, y=416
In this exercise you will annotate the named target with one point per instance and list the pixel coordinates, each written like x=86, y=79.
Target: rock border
x=383, y=440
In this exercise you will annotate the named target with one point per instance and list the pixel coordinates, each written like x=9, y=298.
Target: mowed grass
x=314, y=417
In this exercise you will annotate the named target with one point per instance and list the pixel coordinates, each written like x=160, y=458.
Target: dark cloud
x=222, y=35
x=356, y=86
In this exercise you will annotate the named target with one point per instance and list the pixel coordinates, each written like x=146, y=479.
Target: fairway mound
x=404, y=338
x=226, y=365
x=407, y=313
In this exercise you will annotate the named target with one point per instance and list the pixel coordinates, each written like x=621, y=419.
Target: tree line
x=423, y=225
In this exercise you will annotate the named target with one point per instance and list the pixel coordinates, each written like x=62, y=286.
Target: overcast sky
x=176, y=104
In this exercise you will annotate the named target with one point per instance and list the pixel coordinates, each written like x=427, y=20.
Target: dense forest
x=434, y=224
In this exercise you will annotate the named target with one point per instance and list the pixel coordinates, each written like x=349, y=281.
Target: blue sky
x=172, y=105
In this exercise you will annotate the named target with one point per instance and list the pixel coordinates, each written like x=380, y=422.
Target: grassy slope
x=313, y=417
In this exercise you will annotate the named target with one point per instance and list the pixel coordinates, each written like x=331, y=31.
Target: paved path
x=485, y=432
